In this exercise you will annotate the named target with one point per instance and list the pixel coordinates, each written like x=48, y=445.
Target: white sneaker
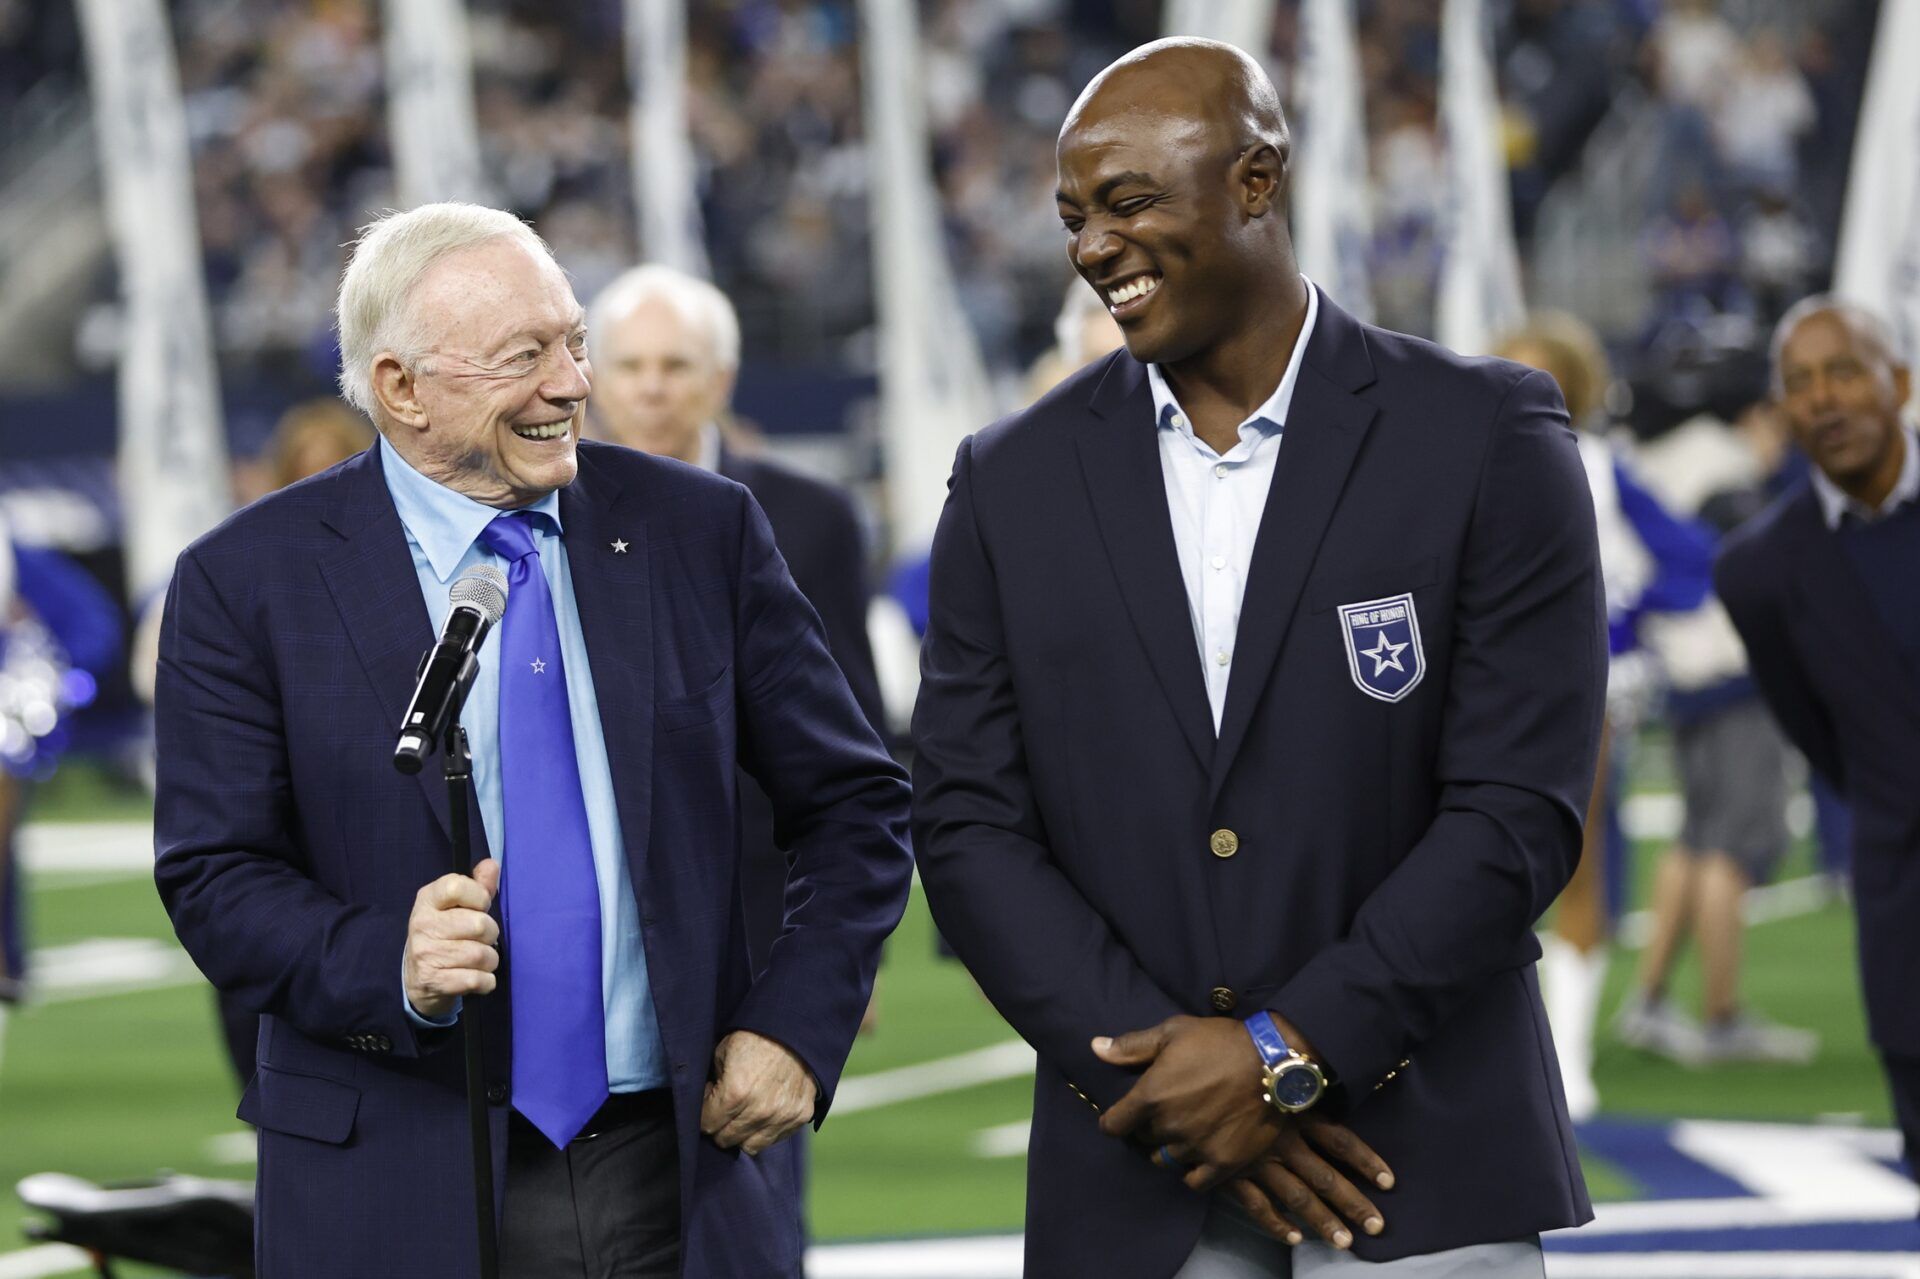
x=1747, y=1036
x=1655, y=1026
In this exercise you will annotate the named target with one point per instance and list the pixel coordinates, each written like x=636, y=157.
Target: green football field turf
x=119, y=1086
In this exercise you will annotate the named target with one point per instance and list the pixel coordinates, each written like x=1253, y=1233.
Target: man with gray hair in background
x=666, y=350
x=653, y=644
x=1821, y=589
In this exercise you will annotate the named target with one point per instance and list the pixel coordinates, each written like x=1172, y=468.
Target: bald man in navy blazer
x=1259, y=711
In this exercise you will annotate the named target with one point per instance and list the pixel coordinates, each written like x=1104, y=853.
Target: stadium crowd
x=285, y=106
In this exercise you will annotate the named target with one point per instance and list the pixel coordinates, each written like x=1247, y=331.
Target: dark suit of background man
x=1825, y=590
x=668, y=646
x=1149, y=806
x=666, y=351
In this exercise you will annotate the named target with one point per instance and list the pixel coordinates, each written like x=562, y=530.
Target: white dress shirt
x=1216, y=501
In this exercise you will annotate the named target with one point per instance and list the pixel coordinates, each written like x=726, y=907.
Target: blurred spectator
x=1763, y=109
x=1732, y=764
x=1082, y=333
x=1650, y=562
x=309, y=438
x=1691, y=255
x=1779, y=253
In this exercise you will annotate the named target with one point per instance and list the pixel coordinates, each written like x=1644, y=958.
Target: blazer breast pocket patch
x=1382, y=639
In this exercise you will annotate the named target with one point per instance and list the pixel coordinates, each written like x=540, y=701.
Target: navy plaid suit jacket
x=289, y=851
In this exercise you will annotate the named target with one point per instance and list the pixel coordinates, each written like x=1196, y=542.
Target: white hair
x=393, y=252
x=697, y=302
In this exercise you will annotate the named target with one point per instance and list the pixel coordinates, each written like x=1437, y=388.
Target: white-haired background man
x=653, y=645
x=666, y=351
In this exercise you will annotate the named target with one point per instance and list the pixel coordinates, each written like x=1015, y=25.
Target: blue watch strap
x=1267, y=1038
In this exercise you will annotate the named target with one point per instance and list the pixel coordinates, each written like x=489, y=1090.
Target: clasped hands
x=760, y=1093
x=1199, y=1101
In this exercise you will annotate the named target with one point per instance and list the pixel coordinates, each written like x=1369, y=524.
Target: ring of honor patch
x=1382, y=639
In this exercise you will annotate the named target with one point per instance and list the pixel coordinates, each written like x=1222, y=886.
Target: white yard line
x=1009, y=1059
x=86, y=846
x=1732, y=1265
x=1763, y=905
x=985, y=1257
x=39, y=1262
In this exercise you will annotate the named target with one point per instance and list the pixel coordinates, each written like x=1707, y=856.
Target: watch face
x=1296, y=1086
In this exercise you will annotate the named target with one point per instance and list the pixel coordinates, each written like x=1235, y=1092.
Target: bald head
x=1216, y=86
x=1173, y=174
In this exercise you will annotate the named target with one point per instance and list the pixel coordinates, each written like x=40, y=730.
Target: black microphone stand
x=459, y=770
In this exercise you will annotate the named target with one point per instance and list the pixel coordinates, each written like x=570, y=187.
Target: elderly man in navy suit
x=1259, y=711
x=653, y=642
x=1822, y=589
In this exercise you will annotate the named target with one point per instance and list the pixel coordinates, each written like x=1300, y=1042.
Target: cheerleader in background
x=60, y=634
x=1651, y=562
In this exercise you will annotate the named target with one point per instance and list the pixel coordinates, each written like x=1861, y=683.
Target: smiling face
x=493, y=407
x=660, y=379
x=1843, y=393
x=1168, y=191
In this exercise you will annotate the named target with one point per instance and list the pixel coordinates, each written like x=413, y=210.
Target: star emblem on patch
x=1385, y=653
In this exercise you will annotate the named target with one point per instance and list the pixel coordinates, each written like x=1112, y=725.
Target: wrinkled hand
x=1297, y=1178
x=1200, y=1096
x=759, y=1094
x=452, y=941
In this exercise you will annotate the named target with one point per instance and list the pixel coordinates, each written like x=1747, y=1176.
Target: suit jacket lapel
x=371, y=576
x=1120, y=458
x=1834, y=593
x=1326, y=425
x=607, y=557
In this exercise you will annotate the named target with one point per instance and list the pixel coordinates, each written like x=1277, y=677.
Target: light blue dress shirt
x=443, y=534
x=1216, y=501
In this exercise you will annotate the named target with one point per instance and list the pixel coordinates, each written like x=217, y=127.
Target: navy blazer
x=290, y=851
x=818, y=532
x=1840, y=687
x=1388, y=858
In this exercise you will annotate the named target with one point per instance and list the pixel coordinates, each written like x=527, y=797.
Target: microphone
x=478, y=599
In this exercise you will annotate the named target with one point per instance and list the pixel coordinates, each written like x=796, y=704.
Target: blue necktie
x=551, y=900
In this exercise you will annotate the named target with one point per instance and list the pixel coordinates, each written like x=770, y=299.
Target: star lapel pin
x=620, y=546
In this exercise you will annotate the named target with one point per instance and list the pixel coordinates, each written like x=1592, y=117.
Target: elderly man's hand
x=451, y=941
x=759, y=1094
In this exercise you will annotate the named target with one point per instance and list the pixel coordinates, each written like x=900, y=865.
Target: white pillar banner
x=1479, y=295
x=1879, y=255
x=436, y=141
x=1332, y=202
x=664, y=193
x=1246, y=23
x=174, y=482
x=934, y=389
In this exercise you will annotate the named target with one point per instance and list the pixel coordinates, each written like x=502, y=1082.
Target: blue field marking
x=1644, y=1151
x=1725, y=1187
